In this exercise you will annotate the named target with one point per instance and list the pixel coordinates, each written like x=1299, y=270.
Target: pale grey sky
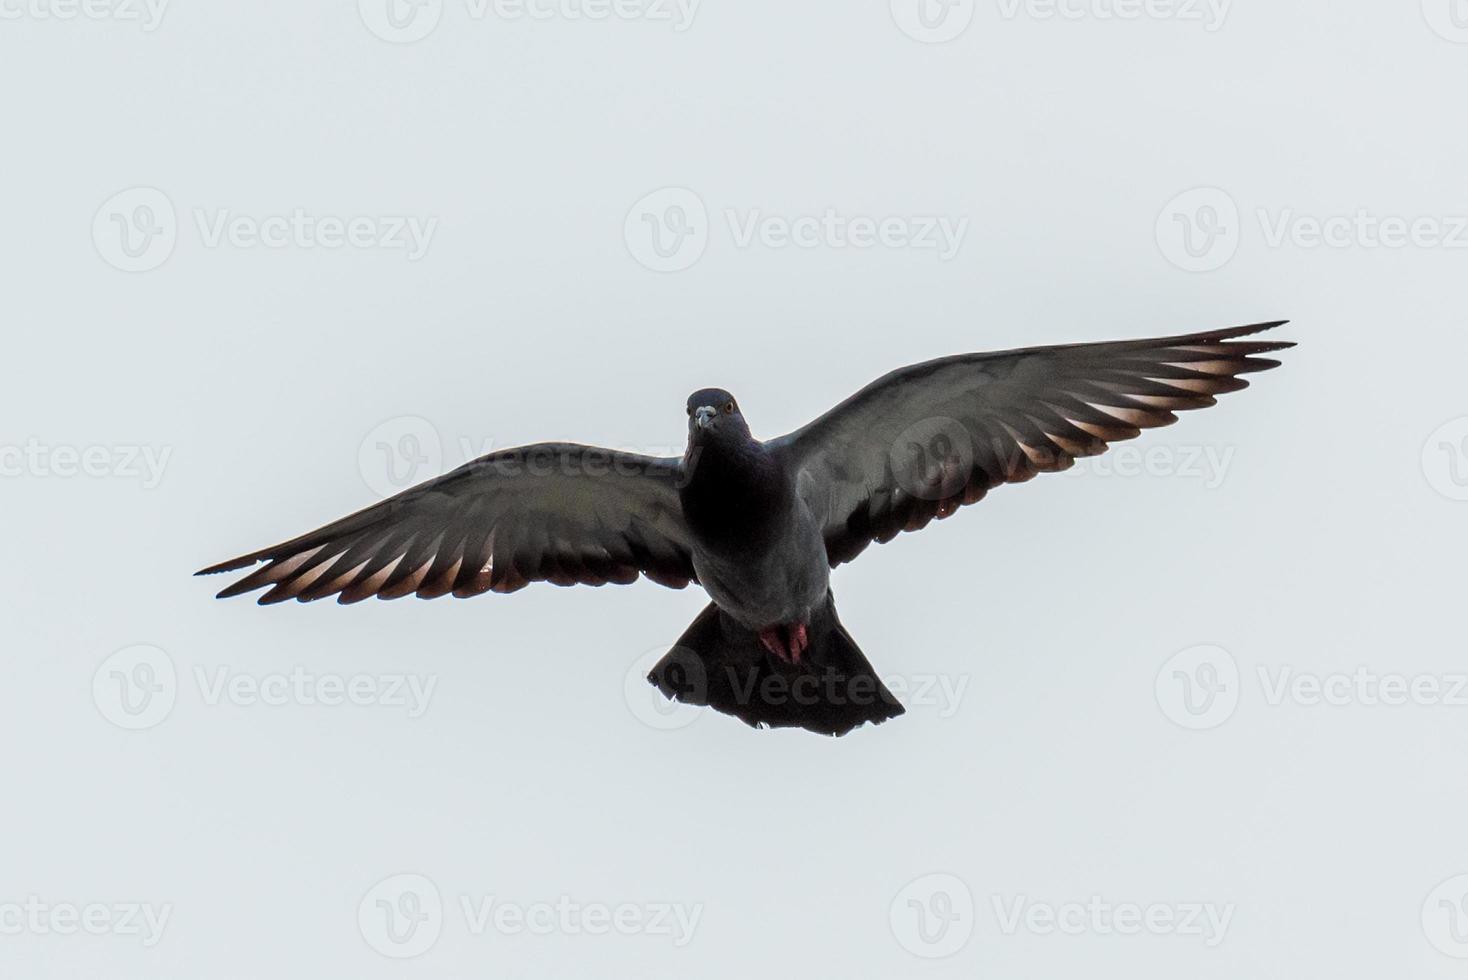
x=1195, y=710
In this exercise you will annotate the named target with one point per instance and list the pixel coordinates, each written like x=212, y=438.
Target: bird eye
x=729, y=409
x=690, y=411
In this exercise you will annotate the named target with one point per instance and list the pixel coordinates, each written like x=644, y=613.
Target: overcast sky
x=1196, y=709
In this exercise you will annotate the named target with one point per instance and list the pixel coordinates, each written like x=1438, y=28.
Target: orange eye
x=729, y=409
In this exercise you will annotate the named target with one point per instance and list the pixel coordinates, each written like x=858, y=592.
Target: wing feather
x=921, y=442
x=553, y=512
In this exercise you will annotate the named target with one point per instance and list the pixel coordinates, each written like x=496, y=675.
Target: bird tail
x=722, y=665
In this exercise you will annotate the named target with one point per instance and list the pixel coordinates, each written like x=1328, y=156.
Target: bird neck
x=732, y=492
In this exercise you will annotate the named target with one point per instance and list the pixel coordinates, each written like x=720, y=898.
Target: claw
x=787, y=643
x=799, y=640
x=773, y=642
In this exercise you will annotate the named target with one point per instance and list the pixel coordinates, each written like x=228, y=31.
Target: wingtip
x=1252, y=328
x=233, y=565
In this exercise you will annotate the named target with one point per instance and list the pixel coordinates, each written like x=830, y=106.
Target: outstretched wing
x=553, y=512
x=927, y=439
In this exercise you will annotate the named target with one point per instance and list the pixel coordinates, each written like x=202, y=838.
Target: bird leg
x=787, y=643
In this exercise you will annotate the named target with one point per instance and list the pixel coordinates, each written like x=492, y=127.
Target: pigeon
x=761, y=524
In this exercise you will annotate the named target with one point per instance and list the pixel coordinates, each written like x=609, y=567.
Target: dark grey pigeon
x=760, y=524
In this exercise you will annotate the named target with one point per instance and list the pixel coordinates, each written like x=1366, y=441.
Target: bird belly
x=781, y=585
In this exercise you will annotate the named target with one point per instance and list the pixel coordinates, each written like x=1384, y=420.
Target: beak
x=704, y=415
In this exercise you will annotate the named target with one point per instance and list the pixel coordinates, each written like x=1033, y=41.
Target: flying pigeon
x=758, y=524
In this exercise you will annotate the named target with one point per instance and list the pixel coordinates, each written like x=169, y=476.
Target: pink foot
x=787, y=643
x=773, y=642
x=799, y=641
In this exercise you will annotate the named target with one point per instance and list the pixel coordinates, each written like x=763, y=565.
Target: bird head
x=714, y=416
